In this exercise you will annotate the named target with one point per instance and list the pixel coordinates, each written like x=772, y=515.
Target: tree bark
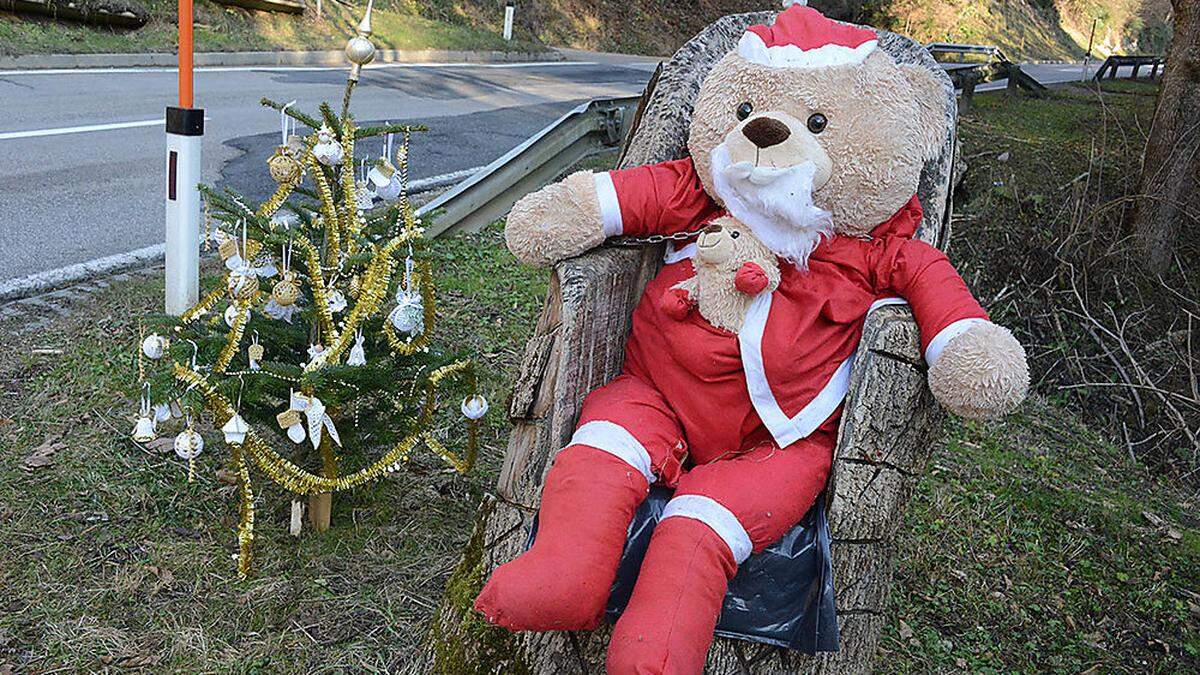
x=1169, y=193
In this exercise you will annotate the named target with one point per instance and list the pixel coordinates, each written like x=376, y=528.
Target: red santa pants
x=750, y=499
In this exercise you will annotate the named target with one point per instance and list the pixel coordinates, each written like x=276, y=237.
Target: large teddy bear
x=807, y=143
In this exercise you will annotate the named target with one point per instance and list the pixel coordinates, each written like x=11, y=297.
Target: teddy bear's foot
x=563, y=581
x=668, y=625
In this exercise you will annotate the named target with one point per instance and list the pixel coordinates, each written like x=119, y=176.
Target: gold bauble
x=355, y=286
x=286, y=292
x=283, y=166
x=228, y=248
x=255, y=352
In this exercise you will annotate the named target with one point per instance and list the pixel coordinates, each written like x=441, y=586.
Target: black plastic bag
x=781, y=596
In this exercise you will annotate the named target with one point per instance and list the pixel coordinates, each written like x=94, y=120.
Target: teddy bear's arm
x=570, y=217
x=977, y=369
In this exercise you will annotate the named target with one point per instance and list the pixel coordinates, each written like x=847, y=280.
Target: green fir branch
x=291, y=111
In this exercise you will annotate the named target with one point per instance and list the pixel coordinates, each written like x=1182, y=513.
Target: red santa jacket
x=788, y=369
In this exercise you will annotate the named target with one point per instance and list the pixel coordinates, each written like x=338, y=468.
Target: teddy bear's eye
x=743, y=111
x=735, y=234
x=817, y=122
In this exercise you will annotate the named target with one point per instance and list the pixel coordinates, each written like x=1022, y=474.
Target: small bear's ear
x=931, y=108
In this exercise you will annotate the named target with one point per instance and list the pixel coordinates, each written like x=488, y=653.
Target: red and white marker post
x=185, y=131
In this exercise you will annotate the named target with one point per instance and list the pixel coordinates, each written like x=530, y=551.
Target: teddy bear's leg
x=721, y=512
x=627, y=438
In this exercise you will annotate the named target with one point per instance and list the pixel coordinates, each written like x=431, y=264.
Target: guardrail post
x=185, y=132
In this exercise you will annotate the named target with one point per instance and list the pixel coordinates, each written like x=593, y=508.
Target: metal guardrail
x=488, y=194
x=1113, y=63
x=967, y=75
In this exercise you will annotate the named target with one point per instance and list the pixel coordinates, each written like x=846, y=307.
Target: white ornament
x=318, y=418
x=296, y=433
x=231, y=315
x=279, y=312
x=314, y=353
x=474, y=407
x=154, y=346
x=364, y=199
x=235, y=430
x=162, y=413
x=327, y=150
x=336, y=301
x=143, y=429
x=358, y=355
x=188, y=444
x=409, y=314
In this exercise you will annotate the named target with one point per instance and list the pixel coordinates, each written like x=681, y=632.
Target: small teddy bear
x=732, y=268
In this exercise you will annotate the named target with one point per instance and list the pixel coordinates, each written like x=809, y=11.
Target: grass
x=112, y=558
x=1037, y=544
x=219, y=28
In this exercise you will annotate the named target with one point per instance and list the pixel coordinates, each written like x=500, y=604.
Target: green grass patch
x=220, y=28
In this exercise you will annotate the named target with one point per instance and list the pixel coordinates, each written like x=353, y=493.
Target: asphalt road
x=83, y=151
x=70, y=195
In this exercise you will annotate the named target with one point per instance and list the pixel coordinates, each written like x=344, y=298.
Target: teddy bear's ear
x=931, y=108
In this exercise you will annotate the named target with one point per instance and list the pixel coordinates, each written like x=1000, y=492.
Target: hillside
x=1026, y=29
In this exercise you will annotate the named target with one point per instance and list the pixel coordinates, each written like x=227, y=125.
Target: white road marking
x=229, y=69
x=34, y=133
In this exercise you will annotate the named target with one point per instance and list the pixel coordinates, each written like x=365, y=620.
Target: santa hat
x=802, y=37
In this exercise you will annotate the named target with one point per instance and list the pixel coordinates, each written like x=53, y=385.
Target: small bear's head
x=809, y=128
x=725, y=245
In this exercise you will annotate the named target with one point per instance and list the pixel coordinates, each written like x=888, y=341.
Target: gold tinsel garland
x=236, y=332
x=320, y=293
x=300, y=481
x=328, y=208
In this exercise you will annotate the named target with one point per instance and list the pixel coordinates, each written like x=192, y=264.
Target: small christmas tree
x=316, y=339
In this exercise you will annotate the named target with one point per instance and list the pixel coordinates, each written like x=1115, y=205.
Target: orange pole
x=185, y=54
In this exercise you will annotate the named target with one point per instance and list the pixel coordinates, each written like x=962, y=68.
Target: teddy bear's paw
x=559, y=221
x=982, y=373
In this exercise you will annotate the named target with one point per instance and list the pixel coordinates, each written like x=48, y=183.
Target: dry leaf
x=1174, y=535
x=227, y=476
x=161, y=445
x=906, y=632
x=43, y=455
x=1152, y=519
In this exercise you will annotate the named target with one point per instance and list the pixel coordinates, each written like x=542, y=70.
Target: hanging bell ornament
x=364, y=199
x=235, y=430
x=474, y=407
x=284, y=166
x=327, y=150
x=385, y=179
x=154, y=346
x=286, y=291
x=188, y=444
x=255, y=352
x=143, y=431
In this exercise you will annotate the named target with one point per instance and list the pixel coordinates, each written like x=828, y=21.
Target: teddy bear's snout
x=714, y=246
x=766, y=131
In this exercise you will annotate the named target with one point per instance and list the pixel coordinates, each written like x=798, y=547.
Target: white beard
x=776, y=203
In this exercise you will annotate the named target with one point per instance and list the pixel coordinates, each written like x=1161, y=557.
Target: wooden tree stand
x=578, y=345
x=320, y=506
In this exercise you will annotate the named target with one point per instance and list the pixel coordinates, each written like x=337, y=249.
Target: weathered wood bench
x=578, y=345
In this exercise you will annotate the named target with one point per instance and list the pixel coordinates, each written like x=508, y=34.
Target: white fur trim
x=934, y=351
x=752, y=48
x=785, y=430
x=617, y=441
x=674, y=255
x=610, y=208
x=712, y=513
x=884, y=302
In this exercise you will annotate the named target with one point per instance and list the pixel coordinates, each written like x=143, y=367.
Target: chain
x=654, y=238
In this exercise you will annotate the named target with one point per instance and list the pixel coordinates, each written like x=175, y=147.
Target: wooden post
x=320, y=506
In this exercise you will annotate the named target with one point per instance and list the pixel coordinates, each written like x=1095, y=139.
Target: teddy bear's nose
x=766, y=131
